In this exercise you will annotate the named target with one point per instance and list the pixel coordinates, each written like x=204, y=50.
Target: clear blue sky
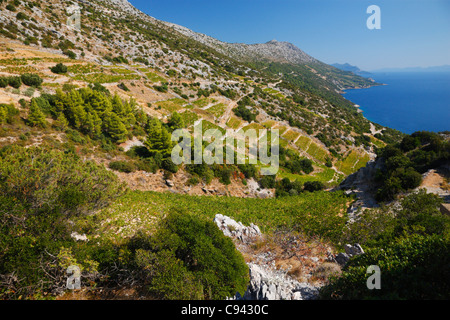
x=413, y=32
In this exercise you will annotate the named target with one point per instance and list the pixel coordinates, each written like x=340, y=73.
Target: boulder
x=79, y=237
x=350, y=251
x=267, y=283
x=342, y=258
x=170, y=183
x=233, y=229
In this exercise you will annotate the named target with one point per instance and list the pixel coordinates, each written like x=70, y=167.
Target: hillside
x=170, y=71
x=86, y=173
x=354, y=69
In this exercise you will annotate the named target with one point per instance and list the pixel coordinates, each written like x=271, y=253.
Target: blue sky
x=413, y=32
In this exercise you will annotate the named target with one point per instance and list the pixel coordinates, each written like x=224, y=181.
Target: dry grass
x=303, y=258
x=326, y=270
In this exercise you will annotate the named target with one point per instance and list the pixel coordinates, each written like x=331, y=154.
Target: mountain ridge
x=351, y=68
x=272, y=50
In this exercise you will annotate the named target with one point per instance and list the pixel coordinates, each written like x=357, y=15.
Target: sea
x=408, y=101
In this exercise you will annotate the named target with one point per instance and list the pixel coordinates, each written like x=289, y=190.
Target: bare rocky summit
x=273, y=50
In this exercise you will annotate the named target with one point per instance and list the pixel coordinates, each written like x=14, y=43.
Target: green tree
x=175, y=122
x=158, y=140
x=61, y=122
x=3, y=115
x=115, y=127
x=36, y=117
x=97, y=100
x=117, y=106
x=93, y=125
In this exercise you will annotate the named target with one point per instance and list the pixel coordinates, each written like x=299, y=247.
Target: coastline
x=411, y=102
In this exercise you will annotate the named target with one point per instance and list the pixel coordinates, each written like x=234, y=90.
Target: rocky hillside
x=167, y=68
x=87, y=179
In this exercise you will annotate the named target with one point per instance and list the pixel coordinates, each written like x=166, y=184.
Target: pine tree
x=73, y=106
x=61, y=122
x=118, y=106
x=93, y=125
x=175, y=122
x=99, y=102
x=36, y=117
x=115, y=127
x=3, y=115
x=97, y=125
x=158, y=140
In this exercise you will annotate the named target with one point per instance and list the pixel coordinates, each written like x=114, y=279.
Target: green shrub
x=59, y=69
x=405, y=161
x=36, y=117
x=70, y=54
x=147, y=165
x=313, y=186
x=223, y=172
x=11, y=7
x=267, y=182
x=167, y=164
x=170, y=278
x=123, y=86
x=3, y=82
x=249, y=170
x=122, y=166
x=7, y=113
x=197, y=259
x=412, y=268
x=193, y=181
x=67, y=87
x=40, y=189
x=21, y=16
x=15, y=82
x=31, y=79
x=244, y=113
x=39, y=177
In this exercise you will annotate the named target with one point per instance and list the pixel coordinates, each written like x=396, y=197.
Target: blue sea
x=409, y=102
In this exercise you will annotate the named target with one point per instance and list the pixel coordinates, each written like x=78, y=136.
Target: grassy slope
x=319, y=213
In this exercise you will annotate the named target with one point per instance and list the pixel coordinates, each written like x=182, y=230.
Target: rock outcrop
x=233, y=229
x=267, y=283
x=343, y=257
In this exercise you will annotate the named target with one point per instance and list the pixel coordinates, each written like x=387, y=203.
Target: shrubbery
x=7, y=113
x=412, y=268
x=190, y=258
x=122, y=166
x=14, y=82
x=244, y=113
x=405, y=162
x=40, y=190
x=411, y=245
x=59, y=69
x=46, y=178
x=285, y=187
x=31, y=79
